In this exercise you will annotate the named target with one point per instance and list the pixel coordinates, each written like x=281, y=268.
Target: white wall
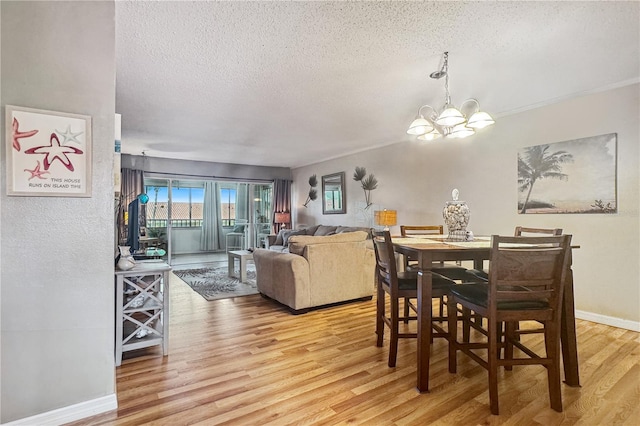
x=417, y=178
x=56, y=258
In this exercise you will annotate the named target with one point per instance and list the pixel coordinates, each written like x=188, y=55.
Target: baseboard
x=606, y=320
x=71, y=413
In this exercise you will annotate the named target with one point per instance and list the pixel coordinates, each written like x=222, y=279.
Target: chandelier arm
x=434, y=112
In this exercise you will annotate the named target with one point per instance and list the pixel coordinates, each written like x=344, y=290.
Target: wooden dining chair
x=521, y=231
x=398, y=285
x=450, y=270
x=526, y=283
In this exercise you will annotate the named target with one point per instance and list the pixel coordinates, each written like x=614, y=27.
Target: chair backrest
x=421, y=230
x=386, y=269
x=528, y=269
x=523, y=231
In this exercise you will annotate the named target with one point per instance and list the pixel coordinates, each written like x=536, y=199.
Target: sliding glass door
x=262, y=212
x=191, y=217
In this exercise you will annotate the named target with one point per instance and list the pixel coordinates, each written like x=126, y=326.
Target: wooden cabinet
x=142, y=307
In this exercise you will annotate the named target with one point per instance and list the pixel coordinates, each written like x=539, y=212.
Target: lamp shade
x=450, y=117
x=283, y=217
x=480, y=120
x=461, y=131
x=434, y=134
x=385, y=217
x=420, y=126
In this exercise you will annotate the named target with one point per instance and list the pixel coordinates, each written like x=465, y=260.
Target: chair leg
x=452, y=325
x=510, y=328
x=380, y=302
x=393, y=346
x=466, y=325
x=441, y=310
x=552, y=345
x=492, y=358
x=406, y=310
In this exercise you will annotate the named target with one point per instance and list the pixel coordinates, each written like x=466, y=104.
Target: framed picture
x=48, y=153
x=575, y=176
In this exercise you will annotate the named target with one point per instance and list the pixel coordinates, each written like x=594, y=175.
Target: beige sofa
x=317, y=270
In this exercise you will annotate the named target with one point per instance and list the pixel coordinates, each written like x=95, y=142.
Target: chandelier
x=451, y=122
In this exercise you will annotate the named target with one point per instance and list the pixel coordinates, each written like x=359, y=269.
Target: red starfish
x=18, y=134
x=56, y=151
x=36, y=172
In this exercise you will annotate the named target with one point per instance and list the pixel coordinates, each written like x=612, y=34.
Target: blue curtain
x=242, y=201
x=211, y=226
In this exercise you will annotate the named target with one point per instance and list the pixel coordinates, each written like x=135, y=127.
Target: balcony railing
x=185, y=223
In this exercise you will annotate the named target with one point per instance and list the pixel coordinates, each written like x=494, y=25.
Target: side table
x=142, y=307
x=243, y=256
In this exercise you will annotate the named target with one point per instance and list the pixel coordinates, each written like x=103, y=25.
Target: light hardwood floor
x=247, y=361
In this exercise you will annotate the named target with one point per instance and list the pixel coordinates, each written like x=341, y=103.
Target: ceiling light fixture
x=451, y=122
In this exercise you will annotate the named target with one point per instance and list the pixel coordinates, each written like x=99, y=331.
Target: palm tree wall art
x=576, y=176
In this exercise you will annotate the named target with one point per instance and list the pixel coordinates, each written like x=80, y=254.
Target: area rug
x=214, y=283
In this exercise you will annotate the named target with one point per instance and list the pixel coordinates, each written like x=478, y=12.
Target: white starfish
x=68, y=135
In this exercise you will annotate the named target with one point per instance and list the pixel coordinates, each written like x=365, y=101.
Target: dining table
x=436, y=248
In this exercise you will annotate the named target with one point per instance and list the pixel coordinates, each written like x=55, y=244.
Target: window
x=228, y=197
x=186, y=207
x=187, y=199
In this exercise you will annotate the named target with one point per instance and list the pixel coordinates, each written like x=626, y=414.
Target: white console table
x=142, y=307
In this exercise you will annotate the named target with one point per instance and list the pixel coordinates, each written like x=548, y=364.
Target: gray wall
x=416, y=179
x=56, y=254
x=203, y=168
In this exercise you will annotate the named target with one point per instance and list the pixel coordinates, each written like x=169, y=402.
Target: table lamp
x=283, y=218
x=385, y=218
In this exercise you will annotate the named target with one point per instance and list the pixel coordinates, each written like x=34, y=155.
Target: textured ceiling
x=293, y=83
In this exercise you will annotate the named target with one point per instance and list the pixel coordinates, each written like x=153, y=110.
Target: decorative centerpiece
x=456, y=215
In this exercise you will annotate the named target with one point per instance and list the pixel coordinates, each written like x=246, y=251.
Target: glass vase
x=456, y=216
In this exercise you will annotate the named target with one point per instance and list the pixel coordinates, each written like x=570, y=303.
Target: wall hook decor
x=313, y=192
x=368, y=183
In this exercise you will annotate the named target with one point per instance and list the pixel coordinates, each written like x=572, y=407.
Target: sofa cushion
x=325, y=230
x=297, y=243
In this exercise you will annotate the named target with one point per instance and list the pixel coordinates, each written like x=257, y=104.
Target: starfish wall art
x=48, y=153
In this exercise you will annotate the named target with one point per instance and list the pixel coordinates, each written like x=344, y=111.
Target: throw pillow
x=289, y=233
x=238, y=229
x=311, y=230
x=279, y=241
x=325, y=230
